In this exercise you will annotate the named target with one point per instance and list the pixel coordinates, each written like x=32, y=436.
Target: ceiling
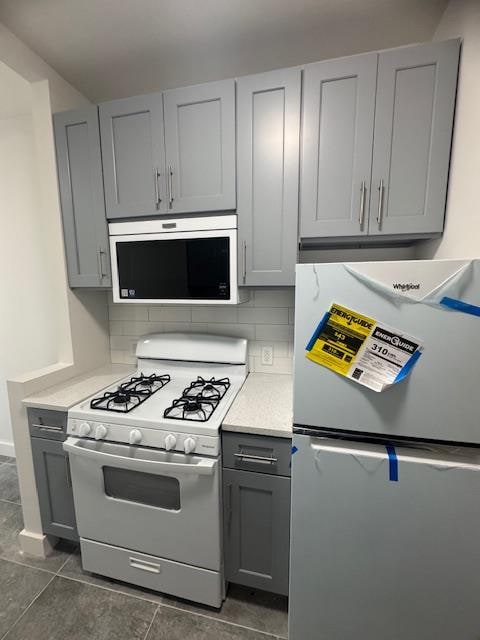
x=114, y=48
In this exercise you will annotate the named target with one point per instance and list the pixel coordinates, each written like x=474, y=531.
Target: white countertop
x=63, y=396
x=263, y=406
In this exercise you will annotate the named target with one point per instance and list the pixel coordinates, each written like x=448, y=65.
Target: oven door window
x=145, y=488
x=177, y=269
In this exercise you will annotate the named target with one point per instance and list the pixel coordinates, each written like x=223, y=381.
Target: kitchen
x=168, y=222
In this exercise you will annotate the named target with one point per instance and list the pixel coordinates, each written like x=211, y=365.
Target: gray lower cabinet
x=377, y=133
x=200, y=147
x=268, y=140
x=79, y=165
x=133, y=153
x=52, y=473
x=257, y=511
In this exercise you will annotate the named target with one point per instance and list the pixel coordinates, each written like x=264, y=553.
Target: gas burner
x=146, y=384
x=131, y=393
x=121, y=398
x=196, y=410
x=207, y=389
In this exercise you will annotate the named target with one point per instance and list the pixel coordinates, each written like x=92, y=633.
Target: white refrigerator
x=385, y=538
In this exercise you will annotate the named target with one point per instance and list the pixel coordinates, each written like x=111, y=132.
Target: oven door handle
x=203, y=467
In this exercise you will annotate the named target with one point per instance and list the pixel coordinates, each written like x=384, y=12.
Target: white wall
x=43, y=322
x=64, y=332
x=461, y=238
x=28, y=323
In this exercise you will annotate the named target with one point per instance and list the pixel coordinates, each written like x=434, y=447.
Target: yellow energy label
x=363, y=349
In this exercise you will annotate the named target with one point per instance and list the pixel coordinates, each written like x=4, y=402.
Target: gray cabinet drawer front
x=263, y=454
x=46, y=423
x=151, y=572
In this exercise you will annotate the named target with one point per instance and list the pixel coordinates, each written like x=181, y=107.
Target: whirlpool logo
x=406, y=286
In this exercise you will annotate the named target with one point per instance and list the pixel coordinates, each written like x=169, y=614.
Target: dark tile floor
x=54, y=599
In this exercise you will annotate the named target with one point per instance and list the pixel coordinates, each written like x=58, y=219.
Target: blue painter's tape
x=392, y=463
x=317, y=331
x=408, y=366
x=294, y=450
x=459, y=305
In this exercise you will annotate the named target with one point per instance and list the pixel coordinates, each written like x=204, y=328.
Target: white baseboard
x=7, y=449
x=36, y=544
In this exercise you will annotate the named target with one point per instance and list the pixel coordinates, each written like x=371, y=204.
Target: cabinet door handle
x=170, y=186
x=363, y=193
x=229, y=510
x=68, y=473
x=250, y=457
x=47, y=427
x=244, y=261
x=156, y=174
x=381, y=190
x=101, y=272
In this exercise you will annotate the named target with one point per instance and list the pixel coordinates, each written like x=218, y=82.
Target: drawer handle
x=47, y=427
x=248, y=456
x=144, y=565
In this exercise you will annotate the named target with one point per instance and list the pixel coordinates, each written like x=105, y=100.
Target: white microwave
x=175, y=260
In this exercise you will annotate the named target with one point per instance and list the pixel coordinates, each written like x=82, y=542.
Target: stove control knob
x=85, y=429
x=170, y=442
x=100, y=432
x=135, y=436
x=189, y=445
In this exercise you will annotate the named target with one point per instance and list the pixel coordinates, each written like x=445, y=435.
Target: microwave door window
x=177, y=269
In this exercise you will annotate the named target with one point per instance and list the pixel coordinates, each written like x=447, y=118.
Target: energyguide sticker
x=363, y=349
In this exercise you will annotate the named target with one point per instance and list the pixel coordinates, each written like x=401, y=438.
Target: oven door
x=154, y=502
x=190, y=267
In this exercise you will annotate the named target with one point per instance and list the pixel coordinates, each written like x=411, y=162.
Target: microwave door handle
x=202, y=467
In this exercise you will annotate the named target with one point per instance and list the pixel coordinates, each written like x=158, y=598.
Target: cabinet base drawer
x=158, y=574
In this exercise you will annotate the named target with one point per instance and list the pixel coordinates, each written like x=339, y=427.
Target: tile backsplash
x=265, y=319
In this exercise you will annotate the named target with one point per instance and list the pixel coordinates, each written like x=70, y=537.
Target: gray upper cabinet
x=200, y=147
x=268, y=140
x=81, y=194
x=377, y=131
x=133, y=153
x=413, y=131
x=338, y=118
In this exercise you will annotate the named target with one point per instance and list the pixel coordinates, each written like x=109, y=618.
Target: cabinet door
x=337, y=140
x=133, y=154
x=268, y=130
x=257, y=529
x=54, y=488
x=413, y=131
x=79, y=166
x=200, y=147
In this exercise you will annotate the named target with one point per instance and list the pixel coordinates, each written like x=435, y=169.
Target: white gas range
x=146, y=470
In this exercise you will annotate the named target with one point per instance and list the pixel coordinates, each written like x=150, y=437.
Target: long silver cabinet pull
x=248, y=456
x=381, y=190
x=363, y=193
x=47, y=427
x=244, y=261
x=101, y=272
x=170, y=186
x=229, y=509
x=156, y=174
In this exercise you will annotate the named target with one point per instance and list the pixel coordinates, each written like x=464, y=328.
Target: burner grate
x=130, y=394
x=199, y=400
